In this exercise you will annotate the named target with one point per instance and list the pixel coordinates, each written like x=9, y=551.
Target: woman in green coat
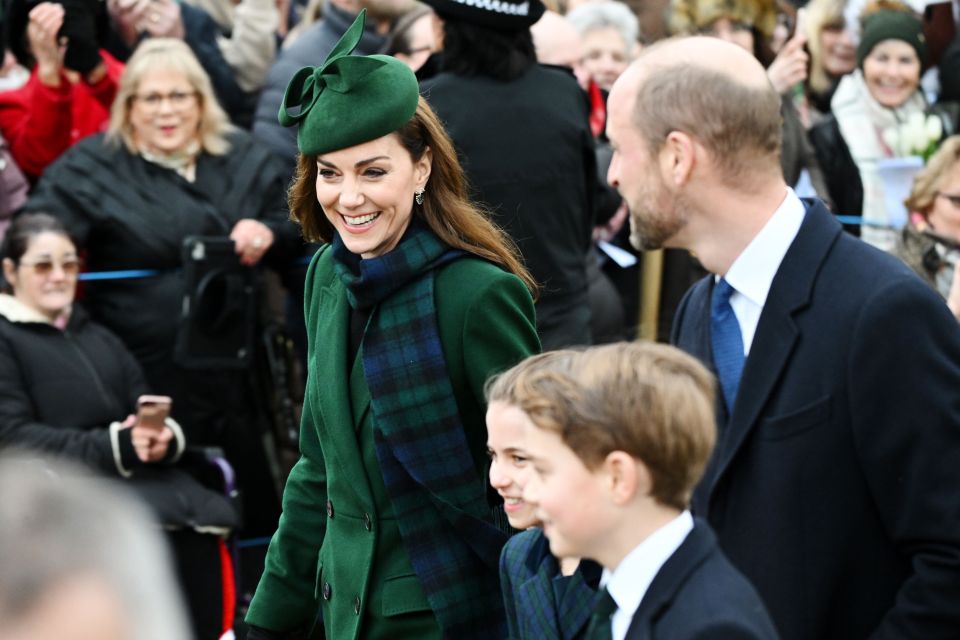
x=416, y=299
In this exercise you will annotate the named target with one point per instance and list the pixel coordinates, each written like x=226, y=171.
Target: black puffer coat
x=60, y=391
x=65, y=392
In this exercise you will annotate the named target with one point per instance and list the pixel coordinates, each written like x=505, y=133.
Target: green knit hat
x=349, y=99
x=890, y=24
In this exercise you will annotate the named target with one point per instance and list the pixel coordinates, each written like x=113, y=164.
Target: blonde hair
x=168, y=54
x=649, y=400
x=928, y=181
x=821, y=15
x=446, y=208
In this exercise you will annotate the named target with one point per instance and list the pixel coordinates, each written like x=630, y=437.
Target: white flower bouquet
x=918, y=136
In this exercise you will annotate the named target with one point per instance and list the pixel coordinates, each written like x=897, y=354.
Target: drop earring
x=418, y=196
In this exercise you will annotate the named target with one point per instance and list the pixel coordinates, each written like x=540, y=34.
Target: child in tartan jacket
x=545, y=598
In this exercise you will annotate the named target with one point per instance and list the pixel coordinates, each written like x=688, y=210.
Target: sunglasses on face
x=43, y=268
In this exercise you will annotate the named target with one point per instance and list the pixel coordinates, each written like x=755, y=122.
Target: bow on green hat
x=349, y=99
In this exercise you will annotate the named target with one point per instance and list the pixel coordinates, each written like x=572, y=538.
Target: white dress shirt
x=751, y=274
x=628, y=583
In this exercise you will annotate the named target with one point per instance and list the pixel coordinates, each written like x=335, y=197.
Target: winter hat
x=508, y=15
x=890, y=24
x=349, y=100
x=690, y=16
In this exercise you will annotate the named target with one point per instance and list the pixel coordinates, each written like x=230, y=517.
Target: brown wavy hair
x=446, y=208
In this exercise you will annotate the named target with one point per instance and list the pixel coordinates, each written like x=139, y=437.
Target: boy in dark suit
x=617, y=436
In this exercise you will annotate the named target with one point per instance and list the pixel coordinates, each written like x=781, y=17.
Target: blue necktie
x=727, y=342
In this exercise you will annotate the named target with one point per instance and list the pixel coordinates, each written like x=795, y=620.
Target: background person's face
x=604, y=55
x=892, y=72
x=839, y=51
x=367, y=191
x=79, y=608
x=422, y=43
x=738, y=33
x=46, y=277
x=944, y=215
x=165, y=112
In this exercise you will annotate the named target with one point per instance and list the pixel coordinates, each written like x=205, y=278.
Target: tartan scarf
x=437, y=495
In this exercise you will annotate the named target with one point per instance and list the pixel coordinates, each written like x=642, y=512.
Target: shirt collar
x=751, y=274
x=628, y=583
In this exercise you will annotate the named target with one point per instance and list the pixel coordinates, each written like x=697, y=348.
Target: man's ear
x=678, y=157
x=627, y=477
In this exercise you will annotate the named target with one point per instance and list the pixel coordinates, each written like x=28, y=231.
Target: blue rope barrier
x=252, y=542
x=132, y=274
x=119, y=275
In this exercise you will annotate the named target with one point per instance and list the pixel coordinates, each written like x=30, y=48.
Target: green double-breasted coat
x=338, y=548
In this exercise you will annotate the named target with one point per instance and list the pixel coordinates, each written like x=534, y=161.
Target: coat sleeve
x=285, y=599
x=54, y=194
x=107, y=447
x=252, y=45
x=905, y=410
x=36, y=120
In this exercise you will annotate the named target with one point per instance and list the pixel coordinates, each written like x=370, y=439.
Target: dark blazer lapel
x=777, y=332
x=535, y=594
x=697, y=546
x=329, y=374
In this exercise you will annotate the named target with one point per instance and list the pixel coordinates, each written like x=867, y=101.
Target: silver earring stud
x=418, y=196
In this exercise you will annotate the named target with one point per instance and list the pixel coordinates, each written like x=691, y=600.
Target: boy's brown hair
x=649, y=400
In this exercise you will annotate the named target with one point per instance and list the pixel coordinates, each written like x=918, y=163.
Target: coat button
x=329, y=509
x=356, y=605
x=327, y=590
x=367, y=522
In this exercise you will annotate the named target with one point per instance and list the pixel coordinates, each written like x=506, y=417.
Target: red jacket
x=41, y=122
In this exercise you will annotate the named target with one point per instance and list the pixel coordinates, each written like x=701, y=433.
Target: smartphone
x=152, y=411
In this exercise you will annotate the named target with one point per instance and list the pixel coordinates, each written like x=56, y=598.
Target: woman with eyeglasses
x=930, y=243
x=69, y=388
x=171, y=166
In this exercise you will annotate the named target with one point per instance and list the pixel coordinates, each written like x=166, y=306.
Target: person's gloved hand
x=80, y=29
x=258, y=633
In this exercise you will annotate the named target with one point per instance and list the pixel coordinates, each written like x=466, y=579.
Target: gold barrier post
x=651, y=281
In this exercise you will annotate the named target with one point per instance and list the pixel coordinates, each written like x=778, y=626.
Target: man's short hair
x=649, y=400
x=739, y=125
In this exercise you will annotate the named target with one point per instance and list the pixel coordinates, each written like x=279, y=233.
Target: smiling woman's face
x=45, y=279
x=892, y=72
x=165, y=112
x=367, y=193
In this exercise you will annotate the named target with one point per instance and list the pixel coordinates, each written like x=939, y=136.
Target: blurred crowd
x=148, y=248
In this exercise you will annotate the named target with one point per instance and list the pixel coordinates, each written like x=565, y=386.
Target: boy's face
x=571, y=500
x=506, y=429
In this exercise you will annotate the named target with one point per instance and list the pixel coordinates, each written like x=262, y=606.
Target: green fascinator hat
x=349, y=100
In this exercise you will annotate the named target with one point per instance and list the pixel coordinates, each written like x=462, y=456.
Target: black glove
x=80, y=27
x=259, y=633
